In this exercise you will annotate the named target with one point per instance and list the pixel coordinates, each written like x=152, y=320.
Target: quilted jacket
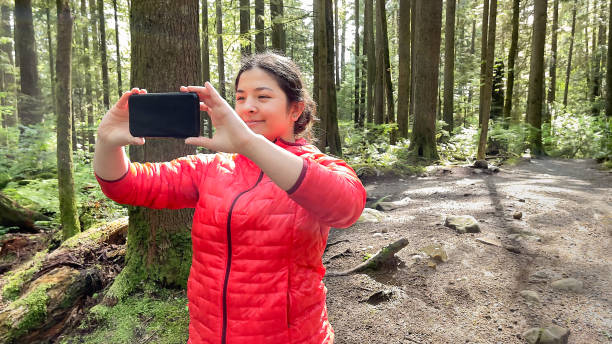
x=256, y=273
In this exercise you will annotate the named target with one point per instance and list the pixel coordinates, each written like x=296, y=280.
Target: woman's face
x=263, y=105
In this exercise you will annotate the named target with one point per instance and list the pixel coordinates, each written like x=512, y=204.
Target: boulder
x=568, y=284
x=462, y=223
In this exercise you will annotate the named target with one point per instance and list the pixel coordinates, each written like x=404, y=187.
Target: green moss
x=36, y=304
x=162, y=318
x=16, y=280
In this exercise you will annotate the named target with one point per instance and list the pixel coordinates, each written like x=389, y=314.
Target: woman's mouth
x=252, y=123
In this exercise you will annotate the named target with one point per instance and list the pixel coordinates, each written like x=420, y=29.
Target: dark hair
x=288, y=76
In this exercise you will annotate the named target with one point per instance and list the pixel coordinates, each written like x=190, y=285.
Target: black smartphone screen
x=164, y=115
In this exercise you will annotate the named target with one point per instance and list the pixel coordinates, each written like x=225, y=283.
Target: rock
x=382, y=296
x=388, y=206
x=481, y=164
x=517, y=215
x=370, y=215
x=530, y=296
x=436, y=252
x=494, y=169
x=462, y=224
x=543, y=276
x=377, y=235
x=568, y=284
x=551, y=335
x=522, y=200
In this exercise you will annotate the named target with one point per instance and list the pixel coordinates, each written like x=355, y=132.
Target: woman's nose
x=249, y=105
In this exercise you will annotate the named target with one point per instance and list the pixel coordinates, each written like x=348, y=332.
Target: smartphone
x=175, y=114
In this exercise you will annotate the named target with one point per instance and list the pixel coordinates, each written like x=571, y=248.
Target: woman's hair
x=288, y=76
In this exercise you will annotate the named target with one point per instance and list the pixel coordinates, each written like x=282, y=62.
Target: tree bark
x=483, y=57
x=220, y=60
x=119, y=82
x=50, y=47
x=488, y=78
x=343, y=43
x=552, y=71
x=598, y=58
x=536, y=79
x=449, y=65
x=403, y=88
x=608, y=70
x=206, y=121
x=511, y=63
x=245, y=27
x=88, y=138
x=428, y=15
x=379, y=99
x=68, y=209
x=9, y=119
x=368, y=36
x=103, y=57
x=356, y=103
x=260, y=36
x=28, y=102
x=568, y=71
x=386, y=64
x=278, y=28
x=95, y=43
x=159, y=241
x=337, y=46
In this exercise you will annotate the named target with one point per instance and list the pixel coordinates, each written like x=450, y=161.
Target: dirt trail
x=474, y=297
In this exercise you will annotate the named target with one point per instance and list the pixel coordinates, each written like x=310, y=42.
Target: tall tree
x=88, y=80
x=449, y=65
x=427, y=35
x=536, y=79
x=403, y=88
x=356, y=112
x=95, y=75
x=278, y=27
x=220, y=60
x=103, y=56
x=8, y=77
x=609, y=70
x=343, y=42
x=118, y=51
x=50, y=48
x=379, y=93
x=483, y=57
x=260, y=36
x=511, y=62
x=245, y=27
x=159, y=244
x=28, y=104
x=569, y=56
x=552, y=71
x=65, y=180
x=337, y=49
x=488, y=78
x=598, y=56
x=205, y=64
x=368, y=38
x=386, y=69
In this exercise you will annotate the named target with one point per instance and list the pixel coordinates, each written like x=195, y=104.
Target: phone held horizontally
x=174, y=114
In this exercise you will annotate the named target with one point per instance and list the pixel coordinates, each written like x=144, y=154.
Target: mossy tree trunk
x=536, y=79
x=428, y=17
x=25, y=46
x=68, y=208
x=485, y=96
x=159, y=241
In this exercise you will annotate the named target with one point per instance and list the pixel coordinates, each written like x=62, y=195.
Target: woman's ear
x=296, y=110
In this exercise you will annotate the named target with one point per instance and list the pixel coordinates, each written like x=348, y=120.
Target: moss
x=16, y=280
x=36, y=304
x=160, y=318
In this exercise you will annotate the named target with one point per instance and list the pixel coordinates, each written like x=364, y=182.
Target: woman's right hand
x=114, y=129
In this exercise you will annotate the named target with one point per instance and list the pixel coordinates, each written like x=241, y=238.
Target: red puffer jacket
x=256, y=274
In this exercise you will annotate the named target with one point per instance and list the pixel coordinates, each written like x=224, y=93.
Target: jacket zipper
x=229, y=257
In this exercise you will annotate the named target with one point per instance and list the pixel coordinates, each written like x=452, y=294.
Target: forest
x=480, y=129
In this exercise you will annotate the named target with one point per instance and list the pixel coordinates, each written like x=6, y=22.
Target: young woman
x=263, y=212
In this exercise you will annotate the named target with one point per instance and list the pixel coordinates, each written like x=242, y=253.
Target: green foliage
x=159, y=317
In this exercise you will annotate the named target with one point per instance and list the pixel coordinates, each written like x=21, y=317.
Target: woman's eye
x=262, y=97
x=240, y=98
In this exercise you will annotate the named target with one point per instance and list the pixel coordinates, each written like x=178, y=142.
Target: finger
x=214, y=95
x=203, y=107
x=143, y=91
x=183, y=89
x=201, y=91
x=199, y=141
x=138, y=141
x=122, y=102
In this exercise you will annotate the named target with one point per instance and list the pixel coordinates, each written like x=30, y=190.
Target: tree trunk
x=357, y=119
x=483, y=58
x=569, y=56
x=403, y=88
x=597, y=59
x=379, y=99
x=608, y=70
x=260, y=36
x=50, y=47
x=363, y=76
x=87, y=67
x=386, y=64
x=428, y=15
x=368, y=36
x=449, y=65
x=278, y=28
x=488, y=78
x=337, y=48
x=206, y=121
x=245, y=27
x=95, y=43
x=343, y=43
x=119, y=82
x=159, y=241
x=511, y=63
x=220, y=60
x=536, y=79
x=9, y=119
x=68, y=209
x=28, y=102
x=413, y=21
x=552, y=71
x=103, y=57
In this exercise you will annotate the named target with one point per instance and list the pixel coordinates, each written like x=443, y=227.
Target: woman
x=262, y=214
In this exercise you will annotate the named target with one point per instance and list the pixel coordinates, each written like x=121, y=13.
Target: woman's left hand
x=231, y=135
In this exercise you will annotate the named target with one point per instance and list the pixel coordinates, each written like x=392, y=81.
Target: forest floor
x=475, y=295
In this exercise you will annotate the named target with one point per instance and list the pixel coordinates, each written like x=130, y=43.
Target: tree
x=428, y=16
x=65, y=180
x=488, y=78
x=449, y=65
x=403, y=83
x=356, y=110
x=511, y=61
x=337, y=48
x=260, y=36
x=569, y=56
x=95, y=43
x=9, y=120
x=50, y=47
x=483, y=57
x=609, y=67
x=278, y=28
x=536, y=79
x=159, y=241
x=88, y=81
x=220, y=60
x=552, y=71
x=119, y=82
x=379, y=78
x=205, y=64
x=104, y=61
x=245, y=27
x=368, y=45
x=28, y=102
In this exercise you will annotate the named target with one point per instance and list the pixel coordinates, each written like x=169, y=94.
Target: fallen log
x=14, y=215
x=384, y=257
